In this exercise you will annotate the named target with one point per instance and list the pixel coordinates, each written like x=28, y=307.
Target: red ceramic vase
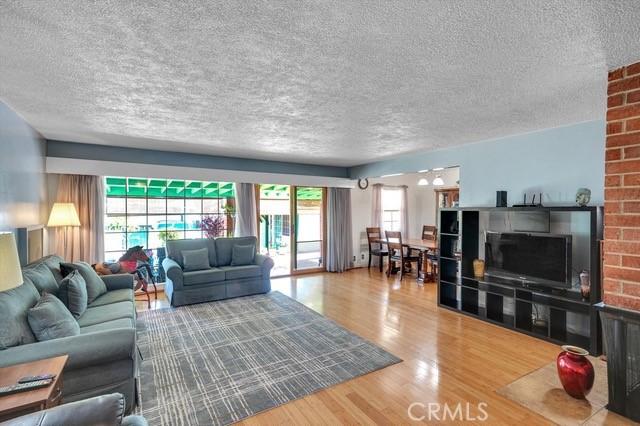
x=575, y=371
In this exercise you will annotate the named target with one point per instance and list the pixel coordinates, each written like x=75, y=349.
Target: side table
x=22, y=403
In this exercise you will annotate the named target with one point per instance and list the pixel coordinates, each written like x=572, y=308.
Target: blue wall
x=147, y=156
x=554, y=161
x=22, y=178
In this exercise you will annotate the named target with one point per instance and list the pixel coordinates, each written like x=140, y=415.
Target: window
x=391, y=203
x=148, y=212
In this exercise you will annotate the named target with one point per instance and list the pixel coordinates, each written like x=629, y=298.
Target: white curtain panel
x=339, y=238
x=404, y=211
x=85, y=242
x=376, y=207
x=246, y=211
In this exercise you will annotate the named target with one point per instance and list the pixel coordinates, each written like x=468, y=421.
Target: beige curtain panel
x=85, y=242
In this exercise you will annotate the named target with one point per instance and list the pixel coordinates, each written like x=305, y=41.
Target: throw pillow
x=95, y=286
x=42, y=277
x=14, y=304
x=73, y=293
x=195, y=260
x=243, y=255
x=50, y=319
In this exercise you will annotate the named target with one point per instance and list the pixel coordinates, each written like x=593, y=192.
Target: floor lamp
x=10, y=271
x=63, y=215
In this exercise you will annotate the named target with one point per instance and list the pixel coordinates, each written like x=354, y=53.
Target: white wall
x=554, y=161
x=422, y=206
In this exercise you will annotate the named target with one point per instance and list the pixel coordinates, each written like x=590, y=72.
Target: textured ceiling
x=326, y=82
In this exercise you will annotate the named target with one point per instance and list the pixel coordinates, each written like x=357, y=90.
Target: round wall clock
x=363, y=183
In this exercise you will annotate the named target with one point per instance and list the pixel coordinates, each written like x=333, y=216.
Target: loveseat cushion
x=50, y=319
x=224, y=247
x=238, y=272
x=14, y=325
x=113, y=296
x=113, y=311
x=109, y=325
x=175, y=248
x=243, y=255
x=196, y=260
x=203, y=277
x=41, y=277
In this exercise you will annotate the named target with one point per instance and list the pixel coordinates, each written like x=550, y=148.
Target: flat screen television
x=543, y=259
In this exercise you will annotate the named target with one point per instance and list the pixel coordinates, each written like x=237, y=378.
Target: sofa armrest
x=84, y=350
x=264, y=262
x=118, y=281
x=173, y=271
x=104, y=409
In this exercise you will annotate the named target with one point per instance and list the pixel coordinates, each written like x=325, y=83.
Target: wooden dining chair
x=398, y=252
x=376, y=248
x=430, y=232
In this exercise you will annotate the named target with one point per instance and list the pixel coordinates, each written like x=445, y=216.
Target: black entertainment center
x=531, y=254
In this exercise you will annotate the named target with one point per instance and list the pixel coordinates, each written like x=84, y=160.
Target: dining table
x=424, y=247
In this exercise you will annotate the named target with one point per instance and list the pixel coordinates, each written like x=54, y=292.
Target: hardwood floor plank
x=447, y=357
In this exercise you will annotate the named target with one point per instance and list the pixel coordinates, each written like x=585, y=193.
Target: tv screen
x=545, y=259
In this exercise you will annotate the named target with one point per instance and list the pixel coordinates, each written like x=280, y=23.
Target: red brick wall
x=622, y=190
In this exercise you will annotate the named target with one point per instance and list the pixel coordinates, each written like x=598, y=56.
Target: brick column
x=622, y=190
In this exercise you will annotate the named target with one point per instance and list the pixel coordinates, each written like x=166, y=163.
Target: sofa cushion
x=113, y=311
x=41, y=277
x=196, y=260
x=202, y=277
x=243, y=255
x=224, y=248
x=53, y=263
x=113, y=296
x=175, y=248
x=95, y=286
x=73, y=293
x=108, y=325
x=238, y=272
x=50, y=319
x=14, y=325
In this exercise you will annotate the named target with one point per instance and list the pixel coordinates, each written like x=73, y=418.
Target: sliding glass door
x=292, y=227
x=309, y=229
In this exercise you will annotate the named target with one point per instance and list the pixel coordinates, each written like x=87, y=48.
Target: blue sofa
x=102, y=358
x=220, y=280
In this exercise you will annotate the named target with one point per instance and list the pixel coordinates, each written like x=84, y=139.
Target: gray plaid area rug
x=220, y=362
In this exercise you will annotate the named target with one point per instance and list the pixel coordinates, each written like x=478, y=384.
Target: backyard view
x=148, y=212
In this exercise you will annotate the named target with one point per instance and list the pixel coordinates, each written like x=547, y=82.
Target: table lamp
x=10, y=271
x=63, y=215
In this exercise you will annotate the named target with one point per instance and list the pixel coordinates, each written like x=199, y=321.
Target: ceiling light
x=437, y=169
x=438, y=181
x=391, y=175
x=423, y=182
x=423, y=171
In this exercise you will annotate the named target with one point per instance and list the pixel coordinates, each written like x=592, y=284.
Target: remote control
x=21, y=387
x=28, y=379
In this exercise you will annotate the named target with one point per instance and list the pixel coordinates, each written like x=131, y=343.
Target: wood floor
x=448, y=357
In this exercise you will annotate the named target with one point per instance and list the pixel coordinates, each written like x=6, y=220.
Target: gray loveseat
x=220, y=280
x=102, y=358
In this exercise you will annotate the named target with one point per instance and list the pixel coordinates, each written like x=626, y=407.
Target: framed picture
x=30, y=242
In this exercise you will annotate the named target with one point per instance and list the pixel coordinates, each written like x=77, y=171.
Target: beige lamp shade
x=63, y=214
x=10, y=272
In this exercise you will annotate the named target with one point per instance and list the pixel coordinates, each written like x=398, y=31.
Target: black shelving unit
x=513, y=304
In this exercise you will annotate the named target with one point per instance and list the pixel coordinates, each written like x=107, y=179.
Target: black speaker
x=501, y=198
